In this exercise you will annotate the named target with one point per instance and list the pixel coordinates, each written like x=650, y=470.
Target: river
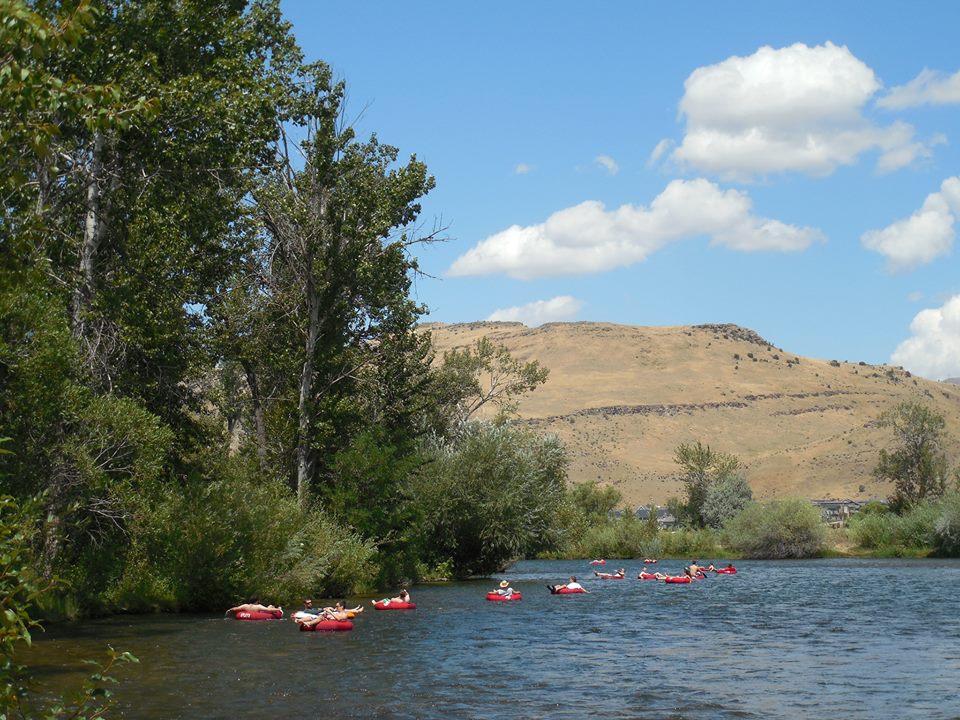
x=803, y=639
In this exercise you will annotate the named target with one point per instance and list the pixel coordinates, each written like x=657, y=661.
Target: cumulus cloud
x=588, y=238
x=922, y=237
x=522, y=169
x=933, y=350
x=609, y=163
x=790, y=109
x=658, y=151
x=930, y=87
x=558, y=309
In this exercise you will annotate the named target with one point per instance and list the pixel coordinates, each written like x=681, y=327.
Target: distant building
x=665, y=518
x=836, y=513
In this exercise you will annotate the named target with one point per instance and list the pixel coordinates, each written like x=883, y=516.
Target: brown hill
x=622, y=398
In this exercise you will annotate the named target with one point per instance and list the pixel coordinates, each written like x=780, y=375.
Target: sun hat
x=504, y=583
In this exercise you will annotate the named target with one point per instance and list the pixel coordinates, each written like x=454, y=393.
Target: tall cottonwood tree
x=335, y=259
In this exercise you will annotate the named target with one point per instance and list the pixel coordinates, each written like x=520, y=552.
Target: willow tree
x=335, y=214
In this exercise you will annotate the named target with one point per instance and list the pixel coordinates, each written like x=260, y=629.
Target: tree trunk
x=304, y=455
x=93, y=228
x=259, y=424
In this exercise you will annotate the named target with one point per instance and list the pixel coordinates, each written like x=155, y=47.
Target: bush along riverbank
x=780, y=529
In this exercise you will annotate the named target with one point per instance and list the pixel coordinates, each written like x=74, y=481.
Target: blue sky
x=794, y=169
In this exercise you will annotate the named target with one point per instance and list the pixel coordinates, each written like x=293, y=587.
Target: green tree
x=725, y=498
x=594, y=501
x=472, y=377
x=332, y=260
x=917, y=465
x=789, y=528
x=700, y=468
x=492, y=497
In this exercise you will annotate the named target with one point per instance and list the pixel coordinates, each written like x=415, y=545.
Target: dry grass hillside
x=623, y=397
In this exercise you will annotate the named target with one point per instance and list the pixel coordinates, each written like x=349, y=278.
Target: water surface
x=832, y=638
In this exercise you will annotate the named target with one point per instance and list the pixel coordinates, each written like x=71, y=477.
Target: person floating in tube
x=402, y=597
x=253, y=605
x=572, y=584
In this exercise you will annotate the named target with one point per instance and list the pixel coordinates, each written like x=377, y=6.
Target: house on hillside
x=836, y=513
x=665, y=518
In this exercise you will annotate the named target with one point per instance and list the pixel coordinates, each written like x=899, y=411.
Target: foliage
x=594, y=502
x=205, y=304
x=917, y=465
x=471, y=377
x=490, y=497
x=210, y=544
x=20, y=591
x=696, y=543
x=896, y=534
x=789, y=528
x=725, y=498
x=701, y=467
x=947, y=527
x=624, y=537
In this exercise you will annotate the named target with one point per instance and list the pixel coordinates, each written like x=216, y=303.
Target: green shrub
x=696, y=543
x=207, y=545
x=947, y=527
x=896, y=534
x=494, y=495
x=790, y=528
x=873, y=530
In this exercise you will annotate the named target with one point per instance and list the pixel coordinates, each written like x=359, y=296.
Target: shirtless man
x=337, y=612
x=403, y=597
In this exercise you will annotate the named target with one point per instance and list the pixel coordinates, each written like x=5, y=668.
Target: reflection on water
x=833, y=638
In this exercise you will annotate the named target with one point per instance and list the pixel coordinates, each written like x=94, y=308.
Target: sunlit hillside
x=623, y=397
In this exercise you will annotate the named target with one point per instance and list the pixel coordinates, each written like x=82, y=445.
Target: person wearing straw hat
x=504, y=589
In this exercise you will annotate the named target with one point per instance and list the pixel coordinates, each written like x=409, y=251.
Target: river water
x=813, y=639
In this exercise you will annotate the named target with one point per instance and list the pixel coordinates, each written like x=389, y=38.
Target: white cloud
x=558, y=309
x=922, y=237
x=933, y=350
x=609, y=163
x=930, y=87
x=522, y=169
x=588, y=238
x=658, y=151
x=791, y=109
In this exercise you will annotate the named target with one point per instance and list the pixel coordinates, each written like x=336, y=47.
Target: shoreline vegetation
x=213, y=380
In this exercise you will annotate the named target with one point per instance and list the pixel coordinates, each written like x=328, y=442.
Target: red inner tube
x=646, y=576
x=328, y=626
x=394, y=605
x=598, y=562
x=245, y=615
x=502, y=598
x=567, y=591
x=726, y=571
x=678, y=580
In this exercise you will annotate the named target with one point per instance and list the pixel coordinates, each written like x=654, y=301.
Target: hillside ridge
x=622, y=397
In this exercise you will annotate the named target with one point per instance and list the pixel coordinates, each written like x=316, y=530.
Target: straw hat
x=504, y=583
